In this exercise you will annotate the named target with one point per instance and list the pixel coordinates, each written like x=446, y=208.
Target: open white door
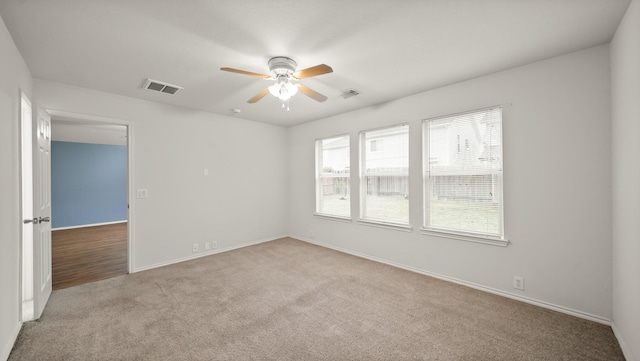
x=42, y=209
x=26, y=205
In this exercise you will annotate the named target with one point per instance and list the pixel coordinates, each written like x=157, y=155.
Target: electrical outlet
x=518, y=283
x=214, y=244
x=195, y=247
x=207, y=246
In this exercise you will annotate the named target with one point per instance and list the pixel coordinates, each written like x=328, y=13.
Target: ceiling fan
x=283, y=71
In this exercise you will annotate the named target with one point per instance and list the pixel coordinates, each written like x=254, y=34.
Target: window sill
x=465, y=237
x=333, y=218
x=393, y=226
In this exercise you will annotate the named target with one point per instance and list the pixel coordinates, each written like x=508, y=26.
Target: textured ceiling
x=383, y=49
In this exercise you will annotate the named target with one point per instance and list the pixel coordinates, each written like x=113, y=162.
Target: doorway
x=90, y=181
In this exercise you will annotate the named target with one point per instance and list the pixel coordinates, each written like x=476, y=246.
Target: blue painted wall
x=88, y=183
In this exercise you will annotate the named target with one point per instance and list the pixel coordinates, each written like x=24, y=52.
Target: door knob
x=34, y=221
x=44, y=219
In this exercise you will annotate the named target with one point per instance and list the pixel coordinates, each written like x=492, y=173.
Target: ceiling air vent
x=159, y=86
x=345, y=94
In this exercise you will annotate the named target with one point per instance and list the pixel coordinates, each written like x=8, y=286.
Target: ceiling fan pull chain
x=285, y=104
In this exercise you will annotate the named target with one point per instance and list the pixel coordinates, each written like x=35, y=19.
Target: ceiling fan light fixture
x=283, y=70
x=283, y=89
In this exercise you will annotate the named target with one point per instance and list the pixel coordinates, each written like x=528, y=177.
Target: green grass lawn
x=390, y=208
x=463, y=215
x=336, y=204
x=393, y=208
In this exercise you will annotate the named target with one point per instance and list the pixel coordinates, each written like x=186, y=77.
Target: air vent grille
x=158, y=86
x=348, y=93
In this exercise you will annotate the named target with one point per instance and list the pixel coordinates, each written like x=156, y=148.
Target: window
x=384, y=191
x=332, y=177
x=463, y=185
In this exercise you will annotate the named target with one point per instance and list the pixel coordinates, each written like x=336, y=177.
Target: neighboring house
x=462, y=154
x=466, y=152
x=387, y=163
x=336, y=152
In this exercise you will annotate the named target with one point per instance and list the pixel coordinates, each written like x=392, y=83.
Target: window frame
x=491, y=239
x=362, y=149
x=318, y=176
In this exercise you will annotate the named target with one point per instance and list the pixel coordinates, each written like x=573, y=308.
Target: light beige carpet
x=289, y=300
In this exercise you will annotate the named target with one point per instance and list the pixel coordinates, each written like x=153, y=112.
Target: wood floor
x=90, y=254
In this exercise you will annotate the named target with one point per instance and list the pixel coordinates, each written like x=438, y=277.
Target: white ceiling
x=383, y=49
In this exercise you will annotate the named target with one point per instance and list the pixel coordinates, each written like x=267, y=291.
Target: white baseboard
x=6, y=350
x=476, y=286
x=88, y=225
x=623, y=344
x=207, y=253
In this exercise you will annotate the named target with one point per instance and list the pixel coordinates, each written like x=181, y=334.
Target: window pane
x=464, y=203
x=387, y=199
x=385, y=171
x=333, y=189
x=463, y=172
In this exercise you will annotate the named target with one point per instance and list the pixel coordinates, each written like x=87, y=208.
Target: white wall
x=15, y=77
x=625, y=79
x=557, y=153
x=558, y=147
x=243, y=199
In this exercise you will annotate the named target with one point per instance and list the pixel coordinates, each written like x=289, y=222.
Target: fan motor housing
x=281, y=65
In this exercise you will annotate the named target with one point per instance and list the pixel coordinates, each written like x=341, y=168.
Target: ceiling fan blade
x=311, y=93
x=259, y=96
x=244, y=72
x=313, y=71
